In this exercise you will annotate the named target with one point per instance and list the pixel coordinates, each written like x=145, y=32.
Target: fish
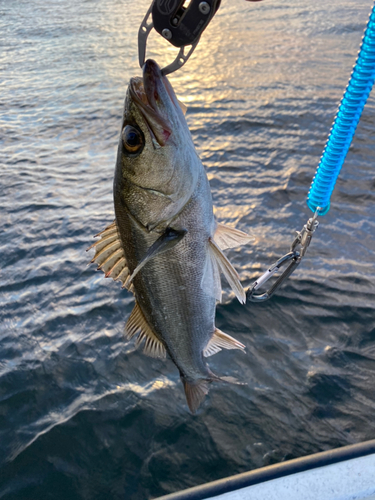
x=165, y=245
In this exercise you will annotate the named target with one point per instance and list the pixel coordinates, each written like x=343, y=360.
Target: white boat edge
x=345, y=473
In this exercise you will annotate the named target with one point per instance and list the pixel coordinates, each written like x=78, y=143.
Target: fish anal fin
x=229, y=237
x=219, y=341
x=211, y=349
x=228, y=270
x=195, y=392
x=137, y=323
x=109, y=254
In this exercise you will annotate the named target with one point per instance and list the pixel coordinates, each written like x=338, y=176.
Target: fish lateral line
x=165, y=242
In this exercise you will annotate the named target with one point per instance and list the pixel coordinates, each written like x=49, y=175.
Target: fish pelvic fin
x=109, y=255
x=219, y=341
x=195, y=392
x=229, y=237
x=137, y=324
x=228, y=270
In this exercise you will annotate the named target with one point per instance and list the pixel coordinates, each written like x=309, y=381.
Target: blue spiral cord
x=345, y=123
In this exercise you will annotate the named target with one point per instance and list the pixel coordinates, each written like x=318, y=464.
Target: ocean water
x=83, y=415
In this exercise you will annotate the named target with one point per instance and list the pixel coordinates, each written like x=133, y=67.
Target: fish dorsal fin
x=219, y=341
x=195, y=392
x=137, y=323
x=228, y=270
x=109, y=255
x=229, y=237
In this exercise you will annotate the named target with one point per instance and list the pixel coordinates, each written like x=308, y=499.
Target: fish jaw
x=159, y=105
x=158, y=127
x=162, y=97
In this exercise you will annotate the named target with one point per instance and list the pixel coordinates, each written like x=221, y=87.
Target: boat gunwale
x=275, y=471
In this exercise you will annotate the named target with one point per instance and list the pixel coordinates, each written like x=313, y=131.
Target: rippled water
x=82, y=414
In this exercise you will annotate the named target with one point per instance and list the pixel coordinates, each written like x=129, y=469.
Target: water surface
x=82, y=414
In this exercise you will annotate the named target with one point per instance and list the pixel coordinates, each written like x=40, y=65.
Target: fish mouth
x=152, y=96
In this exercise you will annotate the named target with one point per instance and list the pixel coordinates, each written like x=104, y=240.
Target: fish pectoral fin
x=229, y=237
x=109, y=254
x=219, y=341
x=210, y=282
x=182, y=106
x=228, y=270
x=137, y=323
x=195, y=392
x=166, y=241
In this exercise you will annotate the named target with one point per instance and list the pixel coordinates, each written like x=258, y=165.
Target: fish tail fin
x=195, y=392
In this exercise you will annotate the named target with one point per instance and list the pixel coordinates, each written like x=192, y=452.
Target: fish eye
x=132, y=139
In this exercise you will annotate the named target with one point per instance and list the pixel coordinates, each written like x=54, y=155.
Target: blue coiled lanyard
x=333, y=157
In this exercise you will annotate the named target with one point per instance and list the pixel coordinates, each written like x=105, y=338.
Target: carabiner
x=180, y=22
x=302, y=240
x=293, y=256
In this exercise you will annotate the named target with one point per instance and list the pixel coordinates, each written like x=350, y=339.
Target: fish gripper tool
x=181, y=22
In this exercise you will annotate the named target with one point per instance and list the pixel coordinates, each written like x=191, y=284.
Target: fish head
x=157, y=166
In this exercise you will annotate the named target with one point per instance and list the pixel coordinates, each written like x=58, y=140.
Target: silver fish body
x=169, y=239
x=168, y=289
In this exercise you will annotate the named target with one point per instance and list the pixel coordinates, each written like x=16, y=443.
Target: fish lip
x=152, y=77
x=142, y=92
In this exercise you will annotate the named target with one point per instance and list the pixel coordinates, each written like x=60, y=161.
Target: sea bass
x=165, y=244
